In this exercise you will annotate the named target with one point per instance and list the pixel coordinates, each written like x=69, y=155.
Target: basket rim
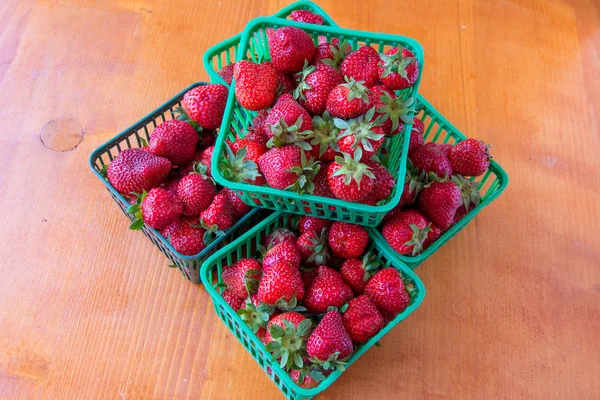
x=95, y=155
x=216, y=298
x=231, y=104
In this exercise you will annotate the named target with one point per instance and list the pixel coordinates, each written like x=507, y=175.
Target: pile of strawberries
x=323, y=114
x=436, y=192
x=313, y=295
x=168, y=180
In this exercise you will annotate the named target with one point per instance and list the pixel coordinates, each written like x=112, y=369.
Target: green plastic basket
x=131, y=137
x=245, y=246
x=439, y=130
x=254, y=46
x=225, y=52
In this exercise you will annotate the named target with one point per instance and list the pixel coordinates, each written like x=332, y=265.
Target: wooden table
x=89, y=310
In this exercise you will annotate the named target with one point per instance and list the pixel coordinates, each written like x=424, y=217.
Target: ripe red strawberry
x=314, y=224
x=418, y=126
x=470, y=157
x=406, y=232
x=232, y=299
x=287, y=82
x=279, y=235
x=439, y=201
x=360, y=133
x=238, y=207
x=219, y=214
x=349, y=179
x=187, y=238
x=308, y=276
x=197, y=191
x=136, y=170
x=323, y=137
x=174, y=140
x=385, y=182
x=398, y=69
x=416, y=136
x=328, y=289
x=242, y=277
x=227, y=73
x=171, y=185
x=286, y=251
x=253, y=149
x=356, y=272
x=159, y=208
x=207, y=138
x=328, y=338
x=361, y=65
x=256, y=135
x=168, y=230
x=281, y=281
x=395, y=112
x=434, y=234
x=290, y=48
x=362, y=319
x=378, y=92
x=286, y=338
x=287, y=167
x=315, y=84
x=347, y=240
x=348, y=100
x=287, y=122
x=332, y=54
x=236, y=166
x=306, y=17
x=206, y=105
x=386, y=289
x=258, y=122
x=255, y=85
x=306, y=382
x=321, y=182
x=313, y=247
x=443, y=148
x=431, y=158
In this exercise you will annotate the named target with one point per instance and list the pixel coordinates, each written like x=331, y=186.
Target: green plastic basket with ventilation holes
x=246, y=246
x=491, y=184
x=225, y=52
x=134, y=137
x=254, y=46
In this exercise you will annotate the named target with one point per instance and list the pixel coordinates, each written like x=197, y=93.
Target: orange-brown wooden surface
x=89, y=310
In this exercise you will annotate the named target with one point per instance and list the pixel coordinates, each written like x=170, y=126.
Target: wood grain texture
x=89, y=310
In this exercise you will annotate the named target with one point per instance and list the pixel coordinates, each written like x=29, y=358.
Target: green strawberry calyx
x=397, y=110
x=306, y=171
x=255, y=317
x=236, y=168
x=361, y=129
x=356, y=90
x=338, y=54
x=136, y=210
x=332, y=362
x=396, y=63
x=289, y=306
x=418, y=238
x=298, y=92
x=370, y=264
x=352, y=168
x=324, y=133
x=469, y=191
x=289, y=343
x=182, y=115
x=284, y=135
x=320, y=250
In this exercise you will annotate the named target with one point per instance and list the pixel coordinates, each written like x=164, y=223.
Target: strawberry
x=255, y=85
x=406, y=232
x=207, y=138
x=323, y=137
x=238, y=207
x=348, y=100
x=418, y=126
x=290, y=48
x=171, y=185
x=158, y=209
x=236, y=167
x=398, y=69
x=413, y=183
x=470, y=157
x=306, y=17
x=329, y=343
x=174, y=140
x=168, y=230
x=431, y=158
x=204, y=157
x=356, y=272
x=253, y=149
x=321, y=183
x=242, y=277
x=227, y=73
x=304, y=381
x=279, y=235
x=332, y=54
x=256, y=135
x=197, y=191
x=286, y=113
x=281, y=281
x=315, y=84
x=434, y=234
x=416, y=137
x=286, y=338
x=361, y=65
x=443, y=148
x=287, y=82
x=396, y=112
x=187, y=237
x=328, y=289
x=362, y=319
x=347, y=240
x=385, y=182
x=308, y=276
x=286, y=251
x=136, y=170
x=349, y=179
x=232, y=299
x=359, y=133
x=439, y=201
x=314, y=224
x=218, y=216
x=287, y=168
x=378, y=92
x=386, y=289
x=205, y=105
x=313, y=247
